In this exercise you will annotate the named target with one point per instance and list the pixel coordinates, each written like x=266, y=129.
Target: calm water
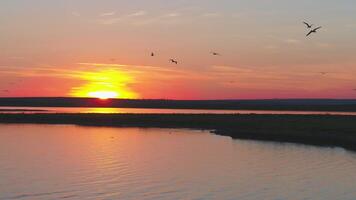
x=69, y=162
x=156, y=111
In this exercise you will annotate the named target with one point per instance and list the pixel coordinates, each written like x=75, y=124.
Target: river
x=71, y=162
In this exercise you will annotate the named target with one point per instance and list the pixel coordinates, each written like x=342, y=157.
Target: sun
x=103, y=94
x=105, y=84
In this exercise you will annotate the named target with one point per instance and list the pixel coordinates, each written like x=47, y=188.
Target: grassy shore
x=324, y=130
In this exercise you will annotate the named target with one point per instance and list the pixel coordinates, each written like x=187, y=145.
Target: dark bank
x=342, y=105
x=322, y=130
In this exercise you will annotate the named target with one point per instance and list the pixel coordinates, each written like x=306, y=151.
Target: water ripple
x=69, y=162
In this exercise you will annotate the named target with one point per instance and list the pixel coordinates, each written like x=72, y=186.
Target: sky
x=91, y=48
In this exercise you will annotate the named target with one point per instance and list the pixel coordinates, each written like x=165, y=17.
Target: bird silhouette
x=215, y=54
x=308, y=25
x=313, y=30
x=173, y=61
x=152, y=54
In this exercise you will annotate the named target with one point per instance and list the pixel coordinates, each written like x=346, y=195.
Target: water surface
x=70, y=162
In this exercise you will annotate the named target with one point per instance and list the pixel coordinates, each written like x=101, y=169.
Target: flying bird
x=215, y=54
x=313, y=30
x=323, y=73
x=308, y=25
x=173, y=61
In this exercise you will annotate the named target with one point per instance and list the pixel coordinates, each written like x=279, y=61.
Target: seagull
x=215, y=54
x=308, y=25
x=173, y=61
x=313, y=30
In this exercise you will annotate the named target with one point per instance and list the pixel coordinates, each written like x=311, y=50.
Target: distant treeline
x=346, y=105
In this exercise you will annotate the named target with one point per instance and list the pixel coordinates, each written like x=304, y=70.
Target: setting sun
x=105, y=84
x=104, y=94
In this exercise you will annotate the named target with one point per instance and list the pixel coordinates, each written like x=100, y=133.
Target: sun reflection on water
x=103, y=110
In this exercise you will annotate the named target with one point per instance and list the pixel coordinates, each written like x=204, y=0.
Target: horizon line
x=243, y=99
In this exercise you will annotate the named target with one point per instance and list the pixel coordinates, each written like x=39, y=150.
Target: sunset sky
x=102, y=48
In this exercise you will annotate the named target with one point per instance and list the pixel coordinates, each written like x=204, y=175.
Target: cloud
x=137, y=69
x=109, y=21
x=136, y=18
x=164, y=18
x=292, y=41
x=222, y=76
x=102, y=64
x=137, y=14
x=229, y=69
x=107, y=14
x=76, y=14
x=173, y=14
x=211, y=15
x=114, y=20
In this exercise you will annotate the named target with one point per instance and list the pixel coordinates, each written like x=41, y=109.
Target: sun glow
x=104, y=94
x=105, y=84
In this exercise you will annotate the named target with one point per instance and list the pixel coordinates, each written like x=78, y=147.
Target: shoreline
x=327, y=105
x=320, y=130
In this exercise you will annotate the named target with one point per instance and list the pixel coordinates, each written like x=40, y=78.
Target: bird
x=313, y=30
x=173, y=61
x=152, y=54
x=215, y=54
x=308, y=25
x=323, y=73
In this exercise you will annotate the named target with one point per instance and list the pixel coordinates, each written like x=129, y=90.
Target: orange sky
x=91, y=48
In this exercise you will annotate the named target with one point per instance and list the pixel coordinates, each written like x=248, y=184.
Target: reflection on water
x=102, y=110
x=71, y=162
x=30, y=110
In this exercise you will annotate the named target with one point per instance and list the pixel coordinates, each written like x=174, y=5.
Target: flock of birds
x=174, y=61
x=309, y=27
